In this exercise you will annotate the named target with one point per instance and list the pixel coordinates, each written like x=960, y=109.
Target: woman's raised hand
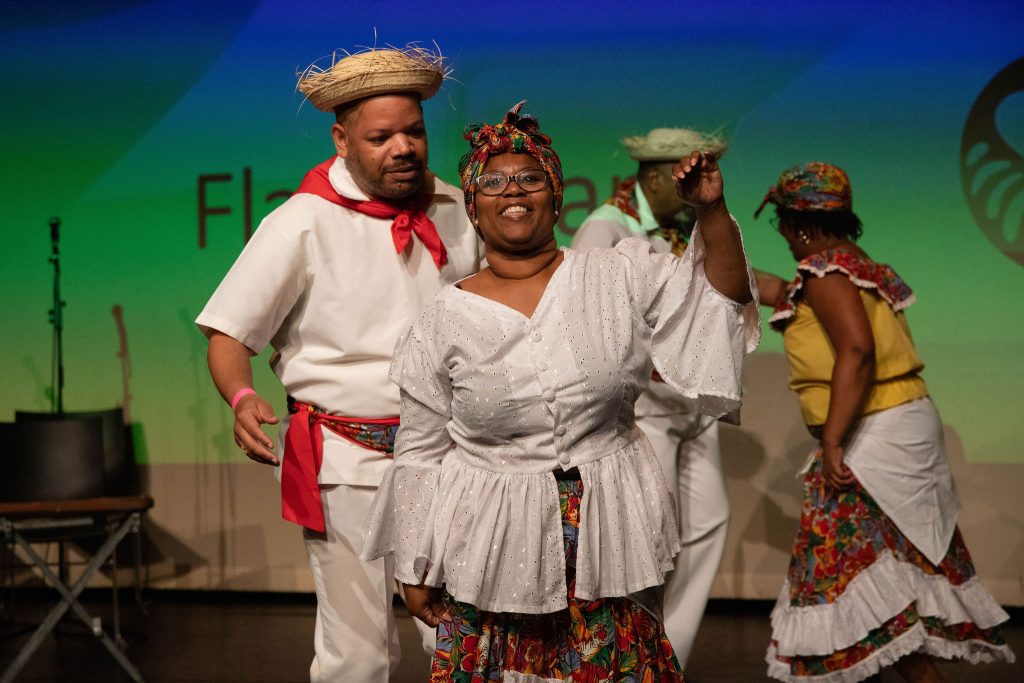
x=698, y=179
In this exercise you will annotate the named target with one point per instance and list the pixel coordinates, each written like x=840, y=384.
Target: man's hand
x=425, y=603
x=835, y=472
x=251, y=412
x=231, y=369
x=698, y=180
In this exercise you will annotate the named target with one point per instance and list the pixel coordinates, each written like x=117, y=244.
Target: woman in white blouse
x=526, y=515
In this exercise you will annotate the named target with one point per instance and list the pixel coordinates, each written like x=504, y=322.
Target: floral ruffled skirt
x=609, y=639
x=859, y=595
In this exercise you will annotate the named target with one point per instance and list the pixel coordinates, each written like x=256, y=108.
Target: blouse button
x=549, y=395
x=536, y=336
x=542, y=366
x=564, y=459
x=560, y=430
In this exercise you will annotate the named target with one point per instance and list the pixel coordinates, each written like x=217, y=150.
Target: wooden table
x=114, y=517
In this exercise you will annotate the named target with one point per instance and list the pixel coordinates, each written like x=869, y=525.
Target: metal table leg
x=70, y=598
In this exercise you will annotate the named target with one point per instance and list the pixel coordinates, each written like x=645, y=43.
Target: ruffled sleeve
x=699, y=335
x=861, y=271
x=403, y=504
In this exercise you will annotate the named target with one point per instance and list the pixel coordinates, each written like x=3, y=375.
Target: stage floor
x=257, y=637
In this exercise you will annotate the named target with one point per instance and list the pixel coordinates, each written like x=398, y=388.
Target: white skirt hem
x=914, y=640
x=873, y=597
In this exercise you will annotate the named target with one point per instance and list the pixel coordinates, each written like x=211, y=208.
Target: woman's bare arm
x=699, y=184
x=770, y=288
x=837, y=304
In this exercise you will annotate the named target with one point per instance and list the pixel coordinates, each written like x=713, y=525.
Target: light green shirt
x=606, y=226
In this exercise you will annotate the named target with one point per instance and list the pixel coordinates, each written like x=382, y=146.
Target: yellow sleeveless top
x=811, y=356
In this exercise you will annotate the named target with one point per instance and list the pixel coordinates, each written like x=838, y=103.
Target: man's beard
x=378, y=187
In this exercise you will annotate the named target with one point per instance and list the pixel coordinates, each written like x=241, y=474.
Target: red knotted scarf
x=407, y=220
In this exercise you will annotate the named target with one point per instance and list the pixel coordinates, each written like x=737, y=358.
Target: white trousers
x=693, y=469
x=355, y=638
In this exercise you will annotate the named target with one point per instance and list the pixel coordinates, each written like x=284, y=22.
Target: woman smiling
x=527, y=516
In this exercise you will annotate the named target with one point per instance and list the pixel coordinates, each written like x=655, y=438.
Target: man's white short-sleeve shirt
x=325, y=287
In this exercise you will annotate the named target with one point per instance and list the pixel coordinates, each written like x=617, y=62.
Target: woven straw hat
x=671, y=144
x=373, y=72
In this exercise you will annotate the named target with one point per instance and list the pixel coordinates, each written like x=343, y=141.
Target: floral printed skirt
x=609, y=639
x=859, y=595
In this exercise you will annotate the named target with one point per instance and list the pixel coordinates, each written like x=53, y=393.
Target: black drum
x=52, y=459
x=120, y=473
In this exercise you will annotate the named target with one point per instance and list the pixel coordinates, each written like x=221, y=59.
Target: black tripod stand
x=57, y=320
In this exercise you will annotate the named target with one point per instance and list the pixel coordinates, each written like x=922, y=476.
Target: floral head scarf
x=814, y=186
x=518, y=134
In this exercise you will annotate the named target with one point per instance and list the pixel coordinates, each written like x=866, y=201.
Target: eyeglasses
x=495, y=183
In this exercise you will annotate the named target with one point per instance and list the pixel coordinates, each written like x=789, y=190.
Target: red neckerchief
x=622, y=198
x=408, y=220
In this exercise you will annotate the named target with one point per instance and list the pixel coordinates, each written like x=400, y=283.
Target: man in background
x=686, y=443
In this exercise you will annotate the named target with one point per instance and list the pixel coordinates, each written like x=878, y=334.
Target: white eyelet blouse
x=492, y=402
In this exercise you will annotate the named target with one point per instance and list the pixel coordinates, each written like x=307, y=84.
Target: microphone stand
x=57, y=320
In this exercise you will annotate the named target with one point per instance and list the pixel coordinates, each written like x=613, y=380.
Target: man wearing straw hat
x=686, y=444
x=331, y=279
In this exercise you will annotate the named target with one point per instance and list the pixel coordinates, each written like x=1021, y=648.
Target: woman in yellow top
x=879, y=574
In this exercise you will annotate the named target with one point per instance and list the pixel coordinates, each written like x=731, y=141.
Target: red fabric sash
x=303, y=456
x=407, y=221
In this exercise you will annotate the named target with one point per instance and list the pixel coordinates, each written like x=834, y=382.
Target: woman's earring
x=476, y=222
x=556, y=213
x=803, y=237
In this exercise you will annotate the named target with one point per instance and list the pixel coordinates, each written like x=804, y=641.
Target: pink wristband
x=242, y=393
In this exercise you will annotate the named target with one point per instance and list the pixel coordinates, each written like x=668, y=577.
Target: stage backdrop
x=160, y=133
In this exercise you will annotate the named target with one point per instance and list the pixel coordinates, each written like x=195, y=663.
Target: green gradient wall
x=113, y=114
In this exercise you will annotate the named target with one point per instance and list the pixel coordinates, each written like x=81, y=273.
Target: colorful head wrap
x=516, y=134
x=814, y=186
